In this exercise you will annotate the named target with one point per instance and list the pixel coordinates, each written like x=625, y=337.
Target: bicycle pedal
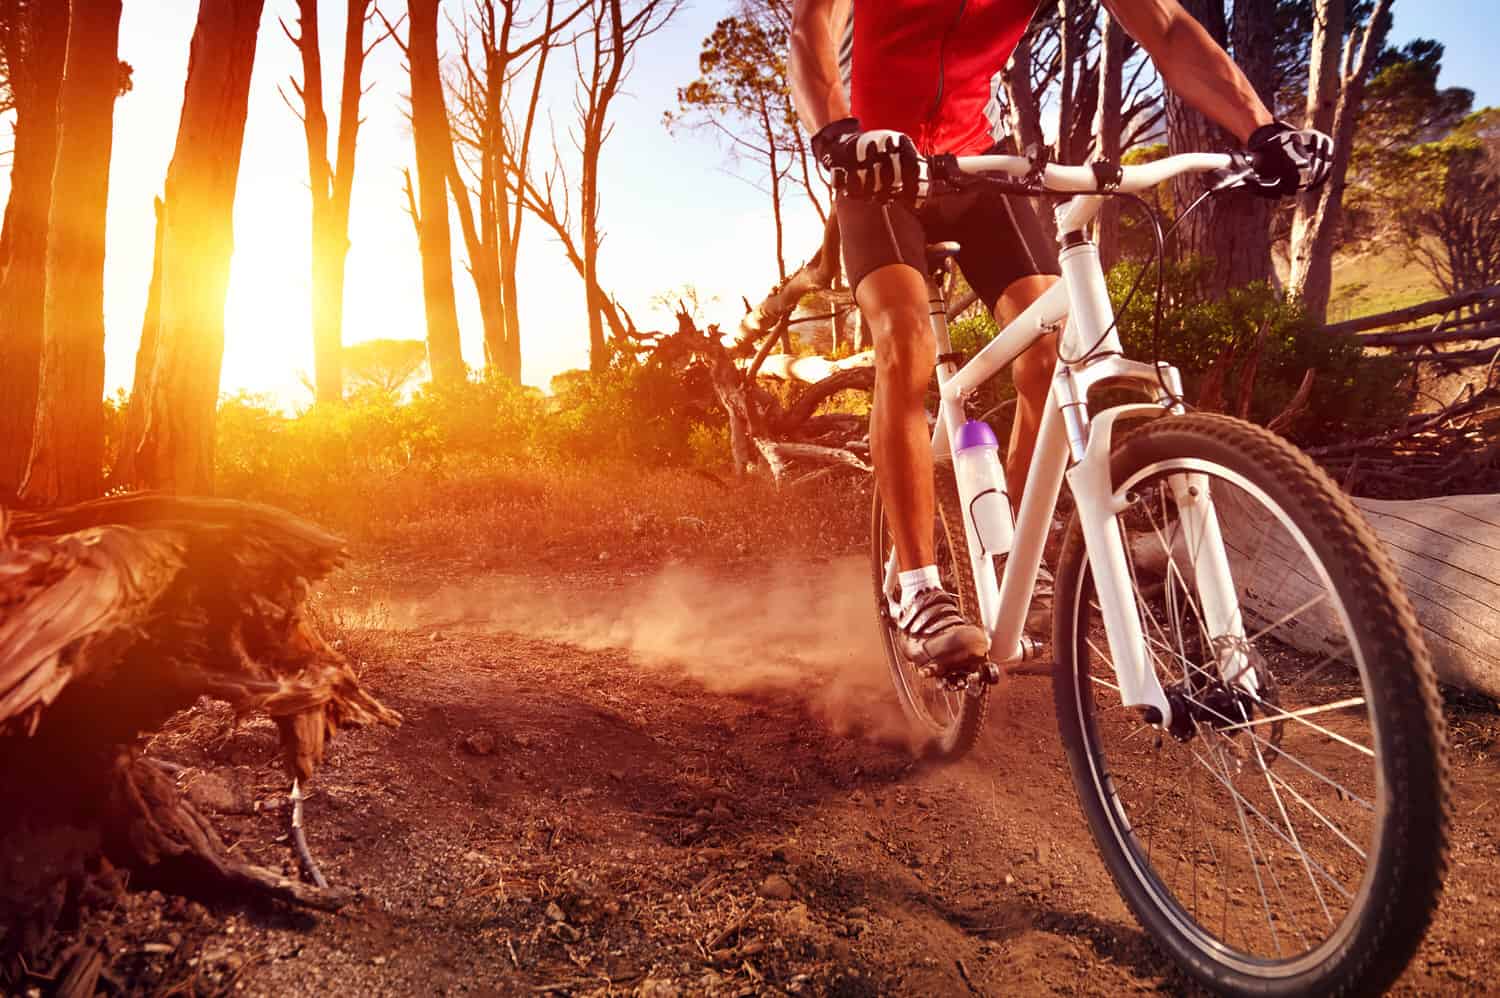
x=982, y=671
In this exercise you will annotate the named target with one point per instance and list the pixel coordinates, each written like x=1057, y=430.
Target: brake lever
x=944, y=177
x=1240, y=171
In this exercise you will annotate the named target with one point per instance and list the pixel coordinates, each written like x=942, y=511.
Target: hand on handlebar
x=1286, y=160
x=879, y=164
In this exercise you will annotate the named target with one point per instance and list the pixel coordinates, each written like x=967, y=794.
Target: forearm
x=813, y=67
x=1192, y=64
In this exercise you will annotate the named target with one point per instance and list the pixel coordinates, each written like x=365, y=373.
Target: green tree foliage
x=1449, y=220
x=1224, y=359
x=383, y=365
x=742, y=94
x=1252, y=349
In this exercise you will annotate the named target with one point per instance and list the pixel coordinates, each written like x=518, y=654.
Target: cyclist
x=919, y=84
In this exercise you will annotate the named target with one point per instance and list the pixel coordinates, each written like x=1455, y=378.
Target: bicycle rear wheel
x=948, y=721
x=1292, y=841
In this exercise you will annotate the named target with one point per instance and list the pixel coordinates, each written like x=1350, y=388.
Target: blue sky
x=672, y=212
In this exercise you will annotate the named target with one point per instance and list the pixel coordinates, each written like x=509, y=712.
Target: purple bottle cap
x=976, y=433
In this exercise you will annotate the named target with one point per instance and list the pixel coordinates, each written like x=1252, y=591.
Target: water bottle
x=981, y=485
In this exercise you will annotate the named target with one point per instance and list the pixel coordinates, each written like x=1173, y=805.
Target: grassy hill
x=1378, y=281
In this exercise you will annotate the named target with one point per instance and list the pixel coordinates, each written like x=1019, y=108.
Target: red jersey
x=923, y=67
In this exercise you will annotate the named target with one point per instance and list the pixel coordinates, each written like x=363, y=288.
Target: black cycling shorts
x=1001, y=238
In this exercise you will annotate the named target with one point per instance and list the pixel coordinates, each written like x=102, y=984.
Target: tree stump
x=114, y=615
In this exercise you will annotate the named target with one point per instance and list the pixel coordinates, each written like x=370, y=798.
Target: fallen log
x=114, y=615
x=1446, y=552
x=1399, y=316
x=1430, y=337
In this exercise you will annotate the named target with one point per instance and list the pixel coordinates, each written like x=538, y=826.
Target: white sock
x=916, y=580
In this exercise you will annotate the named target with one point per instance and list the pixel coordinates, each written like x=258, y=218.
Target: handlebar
x=1022, y=172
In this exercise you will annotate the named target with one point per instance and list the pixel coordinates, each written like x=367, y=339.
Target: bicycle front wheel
x=1288, y=834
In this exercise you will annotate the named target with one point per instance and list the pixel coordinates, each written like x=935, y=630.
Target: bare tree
x=434, y=153
x=332, y=184
x=495, y=72
x=170, y=444
x=602, y=61
x=67, y=456
x=37, y=46
x=1451, y=224
x=1314, y=241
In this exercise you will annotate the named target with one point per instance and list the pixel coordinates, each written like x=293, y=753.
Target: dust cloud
x=804, y=629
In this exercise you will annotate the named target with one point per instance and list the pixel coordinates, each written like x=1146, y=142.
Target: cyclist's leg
x=893, y=299
x=884, y=249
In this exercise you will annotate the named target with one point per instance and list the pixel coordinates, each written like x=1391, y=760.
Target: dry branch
x=816, y=274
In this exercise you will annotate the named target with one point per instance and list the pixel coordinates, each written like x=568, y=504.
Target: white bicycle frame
x=1074, y=444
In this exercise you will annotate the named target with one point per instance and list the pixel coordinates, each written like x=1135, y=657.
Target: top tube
x=1083, y=180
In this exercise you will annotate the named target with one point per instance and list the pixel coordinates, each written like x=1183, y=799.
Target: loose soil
x=690, y=780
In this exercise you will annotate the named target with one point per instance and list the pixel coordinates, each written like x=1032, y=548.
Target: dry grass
x=509, y=516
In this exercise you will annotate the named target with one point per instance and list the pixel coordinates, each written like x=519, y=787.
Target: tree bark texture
x=37, y=85
x=1312, y=255
x=1231, y=231
x=434, y=150
x=172, y=447
x=67, y=455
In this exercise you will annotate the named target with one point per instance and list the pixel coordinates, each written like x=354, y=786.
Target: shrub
x=1204, y=339
x=640, y=412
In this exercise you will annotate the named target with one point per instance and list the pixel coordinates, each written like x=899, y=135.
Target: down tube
x=1038, y=501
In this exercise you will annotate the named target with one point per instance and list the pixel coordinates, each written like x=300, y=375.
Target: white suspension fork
x=1218, y=601
x=1098, y=510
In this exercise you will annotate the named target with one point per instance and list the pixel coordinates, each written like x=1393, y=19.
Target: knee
x=904, y=349
x=1032, y=370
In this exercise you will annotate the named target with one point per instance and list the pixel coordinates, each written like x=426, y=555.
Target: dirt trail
x=692, y=781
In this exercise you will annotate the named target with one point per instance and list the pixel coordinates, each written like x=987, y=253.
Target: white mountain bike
x=1246, y=704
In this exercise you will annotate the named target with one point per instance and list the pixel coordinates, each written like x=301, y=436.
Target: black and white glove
x=1287, y=160
x=879, y=165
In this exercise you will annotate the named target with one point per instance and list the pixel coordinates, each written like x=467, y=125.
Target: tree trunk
x=589, y=211
x=510, y=366
x=1022, y=107
x=1322, y=101
x=36, y=84
x=67, y=456
x=1231, y=231
x=434, y=149
x=173, y=446
x=1107, y=129
x=145, y=354
x=1312, y=257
